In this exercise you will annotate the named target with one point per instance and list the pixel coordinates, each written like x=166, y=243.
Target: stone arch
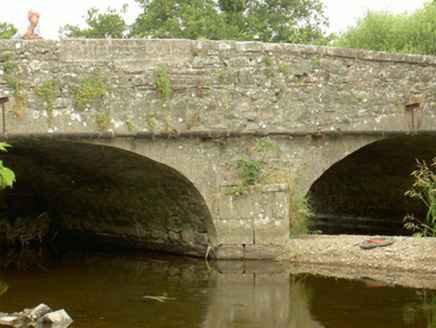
x=364, y=192
x=108, y=194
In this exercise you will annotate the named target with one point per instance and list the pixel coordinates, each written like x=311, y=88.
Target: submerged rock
x=38, y=317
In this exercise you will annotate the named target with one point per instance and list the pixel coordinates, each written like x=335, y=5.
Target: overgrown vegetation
x=20, y=101
x=301, y=211
x=6, y=66
x=151, y=121
x=253, y=170
x=90, y=90
x=7, y=31
x=163, y=84
x=265, y=21
x=103, y=119
x=48, y=92
x=24, y=231
x=107, y=25
x=424, y=189
x=14, y=83
x=382, y=31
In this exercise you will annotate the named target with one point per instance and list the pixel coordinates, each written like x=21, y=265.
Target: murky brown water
x=108, y=290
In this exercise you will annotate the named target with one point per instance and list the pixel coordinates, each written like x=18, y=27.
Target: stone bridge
x=135, y=142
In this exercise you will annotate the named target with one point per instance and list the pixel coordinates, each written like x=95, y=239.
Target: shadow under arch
x=108, y=195
x=364, y=192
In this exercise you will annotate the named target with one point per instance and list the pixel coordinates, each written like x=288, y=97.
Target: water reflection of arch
x=108, y=193
x=364, y=191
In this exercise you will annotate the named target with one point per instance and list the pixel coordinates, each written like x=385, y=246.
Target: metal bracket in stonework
x=4, y=100
x=410, y=108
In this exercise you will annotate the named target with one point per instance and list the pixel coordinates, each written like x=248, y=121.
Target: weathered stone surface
x=216, y=86
x=259, y=217
x=39, y=311
x=324, y=88
x=229, y=252
x=59, y=317
x=263, y=252
x=234, y=231
x=38, y=317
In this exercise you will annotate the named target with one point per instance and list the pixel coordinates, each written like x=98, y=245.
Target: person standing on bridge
x=32, y=30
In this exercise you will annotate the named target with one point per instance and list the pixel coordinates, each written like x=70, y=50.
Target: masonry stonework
x=178, y=102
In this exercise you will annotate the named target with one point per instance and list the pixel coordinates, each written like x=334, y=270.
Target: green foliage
x=424, y=189
x=269, y=72
x=383, y=31
x=250, y=170
x=190, y=19
x=7, y=31
x=90, y=90
x=20, y=101
x=284, y=69
x=103, y=120
x=163, y=84
x=6, y=66
x=151, y=121
x=108, y=25
x=129, y=125
x=299, y=21
x=268, y=61
x=14, y=83
x=48, y=92
x=301, y=211
x=7, y=176
x=291, y=21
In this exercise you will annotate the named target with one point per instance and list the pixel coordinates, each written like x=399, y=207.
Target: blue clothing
x=23, y=29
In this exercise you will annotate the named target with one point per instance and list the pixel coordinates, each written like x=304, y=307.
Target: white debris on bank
x=40, y=316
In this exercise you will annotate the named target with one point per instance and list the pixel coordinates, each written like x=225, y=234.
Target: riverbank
x=408, y=261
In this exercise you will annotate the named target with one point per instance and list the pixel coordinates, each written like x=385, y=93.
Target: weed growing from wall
x=253, y=170
x=151, y=121
x=163, y=84
x=20, y=101
x=14, y=83
x=424, y=189
x=129, y=125
x=7, y=67
x=48, y=92
x=284, y=69
x=103, y=119
x=90, y=90
x=268, y=61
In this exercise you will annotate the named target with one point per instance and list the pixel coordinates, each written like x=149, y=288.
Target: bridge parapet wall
x=212, y=85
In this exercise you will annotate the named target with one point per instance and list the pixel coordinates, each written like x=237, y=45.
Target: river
x=108, y=289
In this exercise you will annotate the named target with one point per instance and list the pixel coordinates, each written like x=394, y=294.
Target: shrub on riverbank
x=424, y=189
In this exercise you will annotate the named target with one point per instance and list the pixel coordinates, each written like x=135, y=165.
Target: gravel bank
x=408, y=261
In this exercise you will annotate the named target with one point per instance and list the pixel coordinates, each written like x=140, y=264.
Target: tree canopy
x=7, y=31
x=190, y=19
x=268, y=21
x=107, y=25
x=298, y=21
x=382, y=31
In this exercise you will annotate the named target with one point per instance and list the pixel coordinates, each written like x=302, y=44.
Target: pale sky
x=58, y=13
